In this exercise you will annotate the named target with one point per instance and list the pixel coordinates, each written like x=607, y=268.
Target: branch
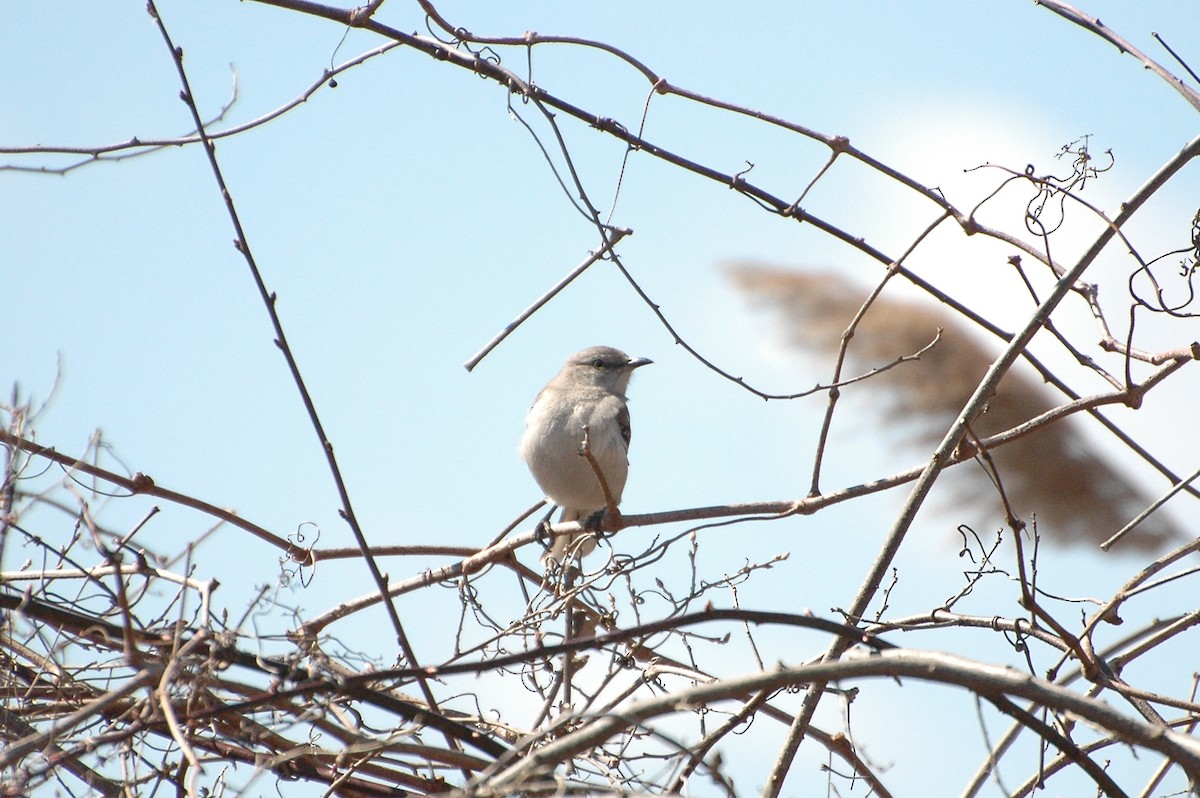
x=1094, y=25
x=139, y=483
x=989, y=681
x=944, y=452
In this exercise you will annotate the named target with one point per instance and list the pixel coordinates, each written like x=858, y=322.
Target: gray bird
x=588, y=392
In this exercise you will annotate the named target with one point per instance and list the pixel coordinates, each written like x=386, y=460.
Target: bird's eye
x=598, y=363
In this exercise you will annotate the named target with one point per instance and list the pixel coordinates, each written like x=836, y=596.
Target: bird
x=587, y=397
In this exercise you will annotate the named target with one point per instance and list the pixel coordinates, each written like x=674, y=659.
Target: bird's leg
x=597, y=521
x=543, y=535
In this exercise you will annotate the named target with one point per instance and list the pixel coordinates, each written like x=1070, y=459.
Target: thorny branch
x=112, y=675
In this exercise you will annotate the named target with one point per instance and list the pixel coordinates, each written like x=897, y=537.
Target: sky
x=406, y=216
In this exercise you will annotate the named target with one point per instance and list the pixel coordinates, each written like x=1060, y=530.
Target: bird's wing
x=623, y=424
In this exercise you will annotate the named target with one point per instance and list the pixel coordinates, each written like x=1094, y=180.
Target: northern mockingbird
x=588, y=394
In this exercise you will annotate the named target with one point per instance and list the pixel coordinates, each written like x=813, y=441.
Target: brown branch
x=985, y=680
x=840, y=358
x=139, y=483
x=242, y=244
x=1095, y=26
x=943, y=454
x=617, y=235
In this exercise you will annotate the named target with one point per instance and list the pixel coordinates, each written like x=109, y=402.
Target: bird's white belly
x=563, y=473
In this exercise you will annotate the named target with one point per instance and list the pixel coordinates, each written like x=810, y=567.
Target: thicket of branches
x=123, y=675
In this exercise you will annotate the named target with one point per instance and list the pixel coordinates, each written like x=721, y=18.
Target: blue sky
x=405, y=217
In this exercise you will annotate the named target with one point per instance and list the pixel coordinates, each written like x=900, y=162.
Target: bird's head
x=603, y=367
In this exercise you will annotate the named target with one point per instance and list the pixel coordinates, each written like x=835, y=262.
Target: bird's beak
x=639, y=361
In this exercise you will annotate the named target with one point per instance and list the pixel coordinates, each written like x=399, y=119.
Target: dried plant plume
x=1078, y=494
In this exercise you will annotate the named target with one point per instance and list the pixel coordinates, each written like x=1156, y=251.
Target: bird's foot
x=603, y=521
x=542, y=534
